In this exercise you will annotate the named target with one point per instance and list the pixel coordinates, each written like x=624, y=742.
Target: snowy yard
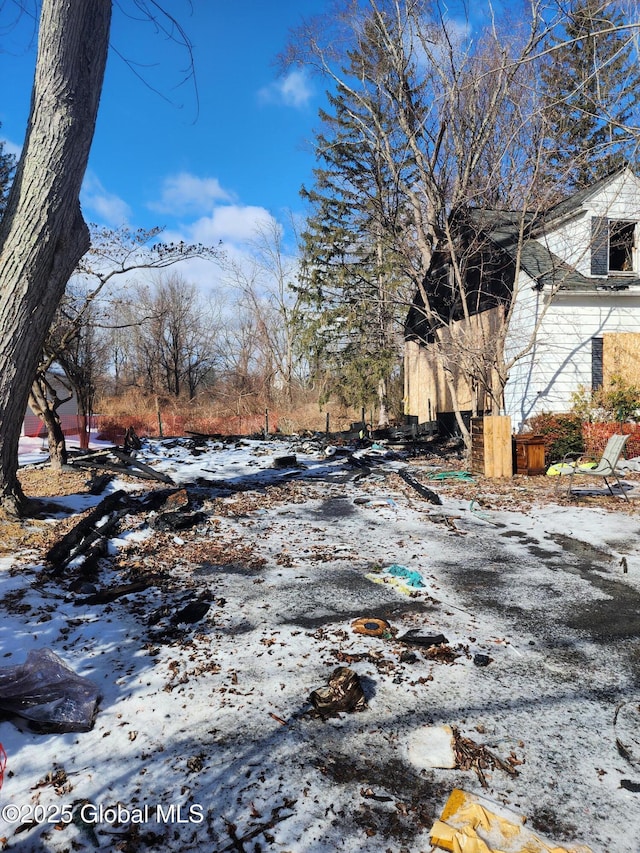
x=205, y=737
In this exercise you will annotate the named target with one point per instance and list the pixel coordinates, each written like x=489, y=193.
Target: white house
x=573, y=287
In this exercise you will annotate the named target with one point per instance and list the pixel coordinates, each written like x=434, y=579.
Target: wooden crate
x=491, y=446
x=529, y=454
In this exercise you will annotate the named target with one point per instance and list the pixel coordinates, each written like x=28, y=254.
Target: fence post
x=159, y=416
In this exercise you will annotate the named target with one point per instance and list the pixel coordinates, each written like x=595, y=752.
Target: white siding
x=548, y=370
x=572, y=243
x=522, y=347
x=561, y=360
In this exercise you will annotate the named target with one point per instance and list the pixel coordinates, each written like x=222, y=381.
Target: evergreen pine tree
x=591, y=94
x=353, y=283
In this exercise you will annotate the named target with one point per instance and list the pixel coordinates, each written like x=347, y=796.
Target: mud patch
x=483, y=586
x=219, y=570
x=634, y=663
x=474, y=579
x=334, y=509
x=583, y=551
x=518, y=534
x=543, y=554
x=532, y=545
x=414, y=801
x=546, y=822
x=614, y=618
x=386, y=611
x=625, y=546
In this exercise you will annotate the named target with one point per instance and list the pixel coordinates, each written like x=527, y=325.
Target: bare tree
x=45, y=400
x=83, y=359
x=175, y=337
x=266, y=296
x=84, y=315
x=42, y=233
x=242, y=378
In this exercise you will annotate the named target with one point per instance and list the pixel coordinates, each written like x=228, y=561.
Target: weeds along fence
x=112, y=429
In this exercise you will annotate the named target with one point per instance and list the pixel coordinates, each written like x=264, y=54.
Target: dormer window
x=621, y=245
x=613, y=243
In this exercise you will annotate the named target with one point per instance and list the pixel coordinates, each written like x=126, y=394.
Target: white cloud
x=206, y=274
x=292, y=90
x=231, y=223
x=236, y=226
x=458, y=30
x=451, y=34
x=187, y=193
x=107, y=208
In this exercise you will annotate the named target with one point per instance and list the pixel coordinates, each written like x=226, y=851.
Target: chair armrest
x=569, y=460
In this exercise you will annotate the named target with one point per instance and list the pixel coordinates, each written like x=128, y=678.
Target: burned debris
x=206, y=619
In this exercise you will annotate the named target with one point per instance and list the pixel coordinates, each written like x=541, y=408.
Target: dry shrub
x=596, y=437
x=212, y=416
x=567, y=433
x=562, y=434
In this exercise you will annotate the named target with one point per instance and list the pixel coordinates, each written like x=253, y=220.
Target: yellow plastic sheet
x=559, y=468
x=468, y=825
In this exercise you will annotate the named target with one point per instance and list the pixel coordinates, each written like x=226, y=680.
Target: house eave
x=599, y=291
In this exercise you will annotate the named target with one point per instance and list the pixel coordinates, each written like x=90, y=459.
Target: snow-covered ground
x=203, y=737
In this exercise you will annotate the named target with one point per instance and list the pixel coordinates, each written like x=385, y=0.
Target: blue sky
x=207, y=167
x=205, y=170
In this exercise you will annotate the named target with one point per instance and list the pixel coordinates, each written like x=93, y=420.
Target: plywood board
x=498, y=451
x=491, y=447
x=620, y=357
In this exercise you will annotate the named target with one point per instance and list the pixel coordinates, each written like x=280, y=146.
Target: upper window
x=621, y=245
x=613, y=243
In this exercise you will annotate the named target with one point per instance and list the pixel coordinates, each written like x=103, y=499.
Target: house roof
x=518, y=238
x=503, y=228
x=573, y=204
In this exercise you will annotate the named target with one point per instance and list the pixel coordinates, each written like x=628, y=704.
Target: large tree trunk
x=42, y=233
x=84, y=426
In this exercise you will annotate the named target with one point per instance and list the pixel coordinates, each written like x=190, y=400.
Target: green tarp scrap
x=463, y=476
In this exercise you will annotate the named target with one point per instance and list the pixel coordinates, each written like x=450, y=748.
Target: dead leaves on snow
x=473, y=756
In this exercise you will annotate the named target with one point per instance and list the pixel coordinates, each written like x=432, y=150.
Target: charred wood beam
x=106, y=596
x=147, y=469
x=85, y=531
x=129, y=469
x=423, y=491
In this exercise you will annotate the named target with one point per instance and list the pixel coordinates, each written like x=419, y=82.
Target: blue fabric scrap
x=412, y=577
